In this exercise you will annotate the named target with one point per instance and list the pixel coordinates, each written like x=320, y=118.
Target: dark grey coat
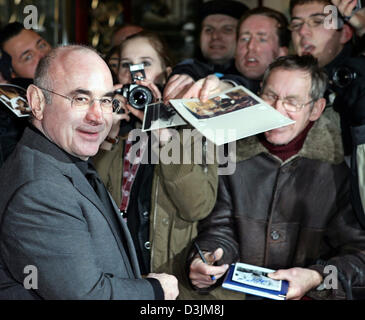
x=51, y=218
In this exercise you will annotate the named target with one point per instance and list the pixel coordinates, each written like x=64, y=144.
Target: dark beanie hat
x=234, y=9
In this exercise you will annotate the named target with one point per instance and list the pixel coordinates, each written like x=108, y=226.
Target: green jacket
x=181, y=196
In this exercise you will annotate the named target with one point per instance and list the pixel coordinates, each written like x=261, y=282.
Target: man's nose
x=279, y=106
x=216, y=34
x=95, y=112
x=304, y=29
x=40, y=55
x=251, y=44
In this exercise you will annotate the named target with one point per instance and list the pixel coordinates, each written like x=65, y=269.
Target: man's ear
x=346, y=33
x=283, y=51
x=36, y=101
x=317, y=109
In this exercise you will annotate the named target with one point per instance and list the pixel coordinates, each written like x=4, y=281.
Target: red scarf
x=292, y=148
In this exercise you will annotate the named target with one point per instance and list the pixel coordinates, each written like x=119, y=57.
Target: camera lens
x=343, y=77
x=140, y=97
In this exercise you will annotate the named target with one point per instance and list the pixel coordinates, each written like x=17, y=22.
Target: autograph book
x=232, y=115
x=254, y=280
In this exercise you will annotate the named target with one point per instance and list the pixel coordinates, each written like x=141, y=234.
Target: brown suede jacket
x=288, y=214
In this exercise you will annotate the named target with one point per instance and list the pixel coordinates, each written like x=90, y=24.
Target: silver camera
x=137, y=96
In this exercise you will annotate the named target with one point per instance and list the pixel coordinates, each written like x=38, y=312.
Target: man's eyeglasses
x=289, y=104
x=312, y=22
x=82, y=102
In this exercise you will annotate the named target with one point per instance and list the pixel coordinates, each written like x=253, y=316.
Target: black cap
x=230, y=8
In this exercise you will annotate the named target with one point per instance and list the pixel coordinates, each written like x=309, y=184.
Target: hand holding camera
x=133, y=98
x=353, y=12
x=140, y=92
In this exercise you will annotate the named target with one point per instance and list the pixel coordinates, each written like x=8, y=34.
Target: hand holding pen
x=203, y=259
x=202, y=275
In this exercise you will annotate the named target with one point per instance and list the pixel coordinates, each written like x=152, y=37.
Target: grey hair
x=306, y=63
x=43, y=76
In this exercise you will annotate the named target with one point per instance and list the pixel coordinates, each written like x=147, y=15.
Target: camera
x=137, y=96
x=343, y=76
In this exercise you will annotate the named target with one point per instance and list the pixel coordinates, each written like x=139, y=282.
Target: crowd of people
x=83, y=202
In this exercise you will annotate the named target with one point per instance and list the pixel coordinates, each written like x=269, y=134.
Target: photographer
x=334, y=50
x=346, y=70
x=355, y=17
x=161, y=221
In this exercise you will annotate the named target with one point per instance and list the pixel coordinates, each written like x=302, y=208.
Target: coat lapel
x=62, y=161
x=131, y=248
x=116, y=223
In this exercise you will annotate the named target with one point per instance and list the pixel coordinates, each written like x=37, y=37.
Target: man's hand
x=168, y=284
x=300, y=281
x=177, y=86
x=206, y=87
x=357, y=20
x=184, y=87
x=117, y=118
x=200, y=273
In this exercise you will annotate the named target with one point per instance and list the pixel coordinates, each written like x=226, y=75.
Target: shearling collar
x=323, y=143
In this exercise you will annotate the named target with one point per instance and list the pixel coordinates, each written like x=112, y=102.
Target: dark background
x=92, y=22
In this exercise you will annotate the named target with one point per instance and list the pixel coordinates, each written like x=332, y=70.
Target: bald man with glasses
x=55, y=214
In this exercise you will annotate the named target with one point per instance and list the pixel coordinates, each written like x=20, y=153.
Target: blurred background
x=92, y=22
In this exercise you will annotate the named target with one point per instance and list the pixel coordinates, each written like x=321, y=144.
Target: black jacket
x=198, y=70
x=347, y=82
x=350, y=104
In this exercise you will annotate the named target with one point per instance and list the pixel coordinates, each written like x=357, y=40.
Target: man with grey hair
x=56, y=217
x=287, y=205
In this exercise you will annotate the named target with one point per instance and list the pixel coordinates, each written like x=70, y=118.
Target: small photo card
x=255, y=276
x=160, y=116
x=231, y=101
x=15, y=99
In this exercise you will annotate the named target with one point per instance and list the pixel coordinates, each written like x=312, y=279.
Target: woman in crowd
x=162, y=203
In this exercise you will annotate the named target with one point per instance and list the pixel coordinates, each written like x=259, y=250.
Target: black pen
x=203, y=258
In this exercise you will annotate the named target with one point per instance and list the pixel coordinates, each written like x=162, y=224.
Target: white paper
x=255, y=276
x=228, y=122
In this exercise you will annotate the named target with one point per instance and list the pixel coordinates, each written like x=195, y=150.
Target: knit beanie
x=230, y=8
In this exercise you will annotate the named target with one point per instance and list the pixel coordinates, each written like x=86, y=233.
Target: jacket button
x=147, y=245
x=275, y=235
x=146, y=215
